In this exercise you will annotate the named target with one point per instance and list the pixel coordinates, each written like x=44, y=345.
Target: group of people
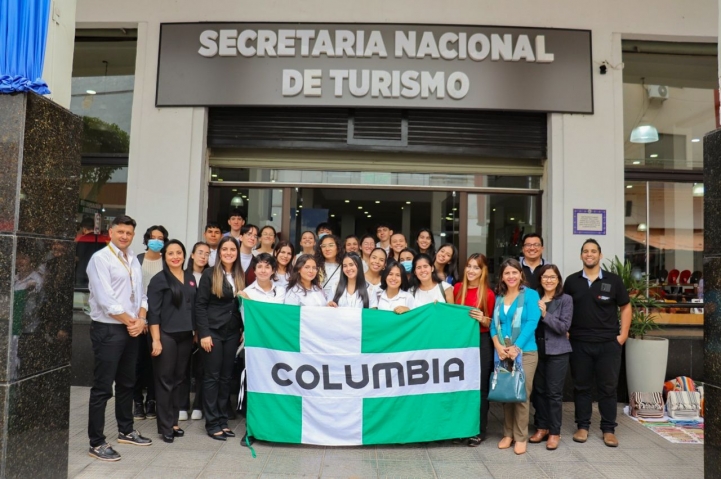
x=531, y=313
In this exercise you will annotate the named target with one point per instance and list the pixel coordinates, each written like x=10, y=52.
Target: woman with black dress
x=219, y=328
x=171, y=300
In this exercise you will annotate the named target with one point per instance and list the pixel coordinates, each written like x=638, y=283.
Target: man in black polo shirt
x=596, y=340
x=532, y=259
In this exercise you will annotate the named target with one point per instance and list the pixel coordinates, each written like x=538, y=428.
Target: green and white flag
x=346, y=376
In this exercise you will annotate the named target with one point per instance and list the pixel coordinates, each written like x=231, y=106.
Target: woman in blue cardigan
x=515, y=300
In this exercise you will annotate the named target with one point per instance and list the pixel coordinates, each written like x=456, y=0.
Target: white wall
x=58, y=67
x=585, y=168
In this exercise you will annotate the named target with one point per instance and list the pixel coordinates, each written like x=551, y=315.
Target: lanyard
x=128, y=269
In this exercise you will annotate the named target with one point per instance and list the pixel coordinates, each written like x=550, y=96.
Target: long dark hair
x=432, y=248
x=295, y=274
x=404, y=277
x=218, y=275
x=320, y=259
x=276, y=252
x=360, y=280
x=450, y=269
x=415, y=282
x=559, y=287
x=482, y=302
x=191, y=263
x=501, y=288
x=175, y=290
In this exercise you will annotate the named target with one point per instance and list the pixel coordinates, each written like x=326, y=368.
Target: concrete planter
x=646, y=361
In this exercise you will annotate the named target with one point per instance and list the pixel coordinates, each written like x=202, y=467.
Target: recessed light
x=655, y=155
x=455, y=209
x=235, y=189
x=347, y=201
x=360, y=207
x=401, y=207
x=408, y=202
x=214, y=175
x=91, y=92
x=628, y=187
x=494, y=209
x=513, y=219
x=369, y=216
x=636, y=162
x=300, y=206
x=365, y=212
x=332, y=216
x=377, y=201
x=695, y=140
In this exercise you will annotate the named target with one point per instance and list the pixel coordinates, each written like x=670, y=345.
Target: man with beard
x=597, y=340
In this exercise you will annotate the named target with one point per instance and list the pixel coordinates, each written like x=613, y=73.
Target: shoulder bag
x=508, y=381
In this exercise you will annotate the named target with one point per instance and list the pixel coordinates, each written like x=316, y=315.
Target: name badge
x=606, y=287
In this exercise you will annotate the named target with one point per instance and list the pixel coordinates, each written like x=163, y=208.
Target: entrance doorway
x=476, y=213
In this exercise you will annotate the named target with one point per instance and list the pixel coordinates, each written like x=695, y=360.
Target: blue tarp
x=23, y=33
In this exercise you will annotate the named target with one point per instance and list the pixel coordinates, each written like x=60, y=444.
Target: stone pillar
x=39, y=186
x=712, y=307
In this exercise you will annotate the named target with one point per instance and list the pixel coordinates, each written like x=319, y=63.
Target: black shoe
x=104, y=453
x=139, y=411
x=150, y=410
x=217, y=437
x=134, y=438
x=250, y=440
x=168, y=438
x=178, y=432
x=228, y=432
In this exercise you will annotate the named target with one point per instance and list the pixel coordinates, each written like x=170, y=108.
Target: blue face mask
x=155, y=245
x=320, y=236
x=407, y=265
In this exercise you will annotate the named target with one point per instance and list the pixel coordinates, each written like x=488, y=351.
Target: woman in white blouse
x=394, y=285
x=426, y=286
x=283, y=256
x=264, y=288
x=304, y=286
x=327, y=258
x=352, y=291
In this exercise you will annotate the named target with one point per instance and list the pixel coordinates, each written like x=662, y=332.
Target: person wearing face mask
x=406, y=261
x=376, y=264
x=151, y=263
x=322, y=230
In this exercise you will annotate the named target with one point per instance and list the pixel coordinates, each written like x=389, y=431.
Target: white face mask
x=320, y=236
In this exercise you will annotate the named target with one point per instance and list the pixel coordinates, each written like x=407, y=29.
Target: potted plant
x=646, y=356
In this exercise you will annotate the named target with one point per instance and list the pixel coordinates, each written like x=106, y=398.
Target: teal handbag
x=508, y=381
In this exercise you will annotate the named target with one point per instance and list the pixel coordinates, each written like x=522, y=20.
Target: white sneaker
x=197, y=414
x=183, y=416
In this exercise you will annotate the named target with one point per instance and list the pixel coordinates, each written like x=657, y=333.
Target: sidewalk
x=642, y=454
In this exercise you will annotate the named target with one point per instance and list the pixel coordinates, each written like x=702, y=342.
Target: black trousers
x=602, y=362
x=218, y=370
x=144, y=370
x=194, y=371
x=115, y=356
x=548, y=391
x=169, y=368
x=486, y=370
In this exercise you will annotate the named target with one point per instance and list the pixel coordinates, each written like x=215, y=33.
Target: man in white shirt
x=384, y=233
x=212, y=236
x=118, y=307
x=248, y=240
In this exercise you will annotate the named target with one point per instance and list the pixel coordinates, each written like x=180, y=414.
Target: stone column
x=39, y=185
x=712, y=308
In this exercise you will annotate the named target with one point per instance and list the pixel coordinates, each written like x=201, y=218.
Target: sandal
x=475, y=441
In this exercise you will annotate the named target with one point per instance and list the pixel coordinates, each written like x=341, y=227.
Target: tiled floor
x=642, y=454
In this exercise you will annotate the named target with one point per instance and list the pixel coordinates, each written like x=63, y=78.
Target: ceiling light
x=513, y=219
x=655, y=155
x=629, y=187
x=642, y=227
x=91, y=92
x=214, y=175
x=365, y=212
x=455, y=209
x=408, y=202
x=449, y=218
x=369, y=216
x=644, y=134
x=698, y=190
x=236, y=202
x=494, y=209
x=377, y=202
x=360, y=207
x=347, y=201
x=300, y=206
x=636, y=162
x=235, y=189
x=695, y=140
x=332, y=216
x=443, y=235
x=401, y=207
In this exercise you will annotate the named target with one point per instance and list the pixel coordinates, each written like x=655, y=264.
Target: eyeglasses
x=534, y=245
x=549, y=278
x=327, y=246
x=201, y=253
